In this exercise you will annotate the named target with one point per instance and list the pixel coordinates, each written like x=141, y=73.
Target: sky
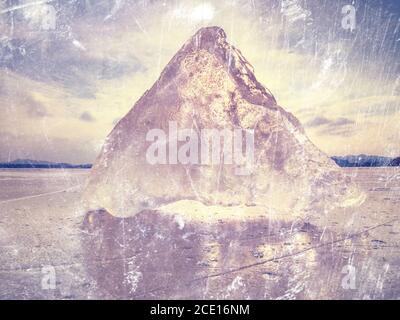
x=69, y=70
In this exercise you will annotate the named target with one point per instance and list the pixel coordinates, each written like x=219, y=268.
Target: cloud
x=333, y=127
x=58, y=60
x=383, y=108
x=34, y=108
x=338, y=131
x=341, y=122
x=86, y=116
x=317, y=121
x=320, y=121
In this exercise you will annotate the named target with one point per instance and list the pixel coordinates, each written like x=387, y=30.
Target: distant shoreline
x=365, y=161
x=351, y=161
x=33, y=164
x=44, y=167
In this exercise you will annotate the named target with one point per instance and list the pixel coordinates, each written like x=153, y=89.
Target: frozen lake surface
x=341, y=254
